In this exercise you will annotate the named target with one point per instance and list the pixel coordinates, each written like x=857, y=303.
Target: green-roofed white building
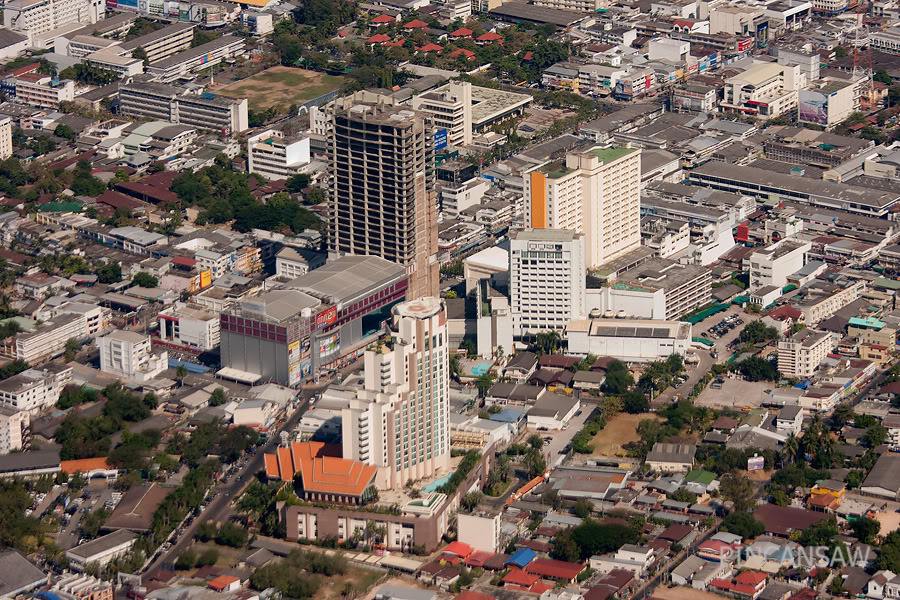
x=595, y=192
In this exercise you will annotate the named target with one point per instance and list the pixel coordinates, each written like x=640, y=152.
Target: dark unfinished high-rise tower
x=382, y=187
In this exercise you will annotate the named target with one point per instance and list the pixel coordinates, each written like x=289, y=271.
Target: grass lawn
x=361, y=579
x=279, y=87
x=620, y=430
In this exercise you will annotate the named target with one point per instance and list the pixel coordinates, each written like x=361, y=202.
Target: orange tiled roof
x=70, y=467
x=222, y=582
x=320, y=472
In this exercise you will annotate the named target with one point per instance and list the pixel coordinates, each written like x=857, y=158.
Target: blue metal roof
x=521, y=557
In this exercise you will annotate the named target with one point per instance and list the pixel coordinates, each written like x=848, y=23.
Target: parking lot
x=735, y=393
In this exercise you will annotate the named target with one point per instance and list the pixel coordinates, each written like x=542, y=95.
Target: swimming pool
x=481, y=368
x=434, y=485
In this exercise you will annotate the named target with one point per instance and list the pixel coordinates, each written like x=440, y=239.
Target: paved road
x=225, y=491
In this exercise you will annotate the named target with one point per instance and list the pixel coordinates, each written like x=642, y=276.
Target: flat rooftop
x=194, y=53
x=347, y=278
x=631, y=328
x=799, y=185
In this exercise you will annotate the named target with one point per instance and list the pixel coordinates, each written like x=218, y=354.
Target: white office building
x=151, y=101
x=772, y=265
x=35, y=389
x=629, y=340
x=47, y=341
x=129, y=355
x=802, y=353
x=400, y=421
x=101, y=551
x=43, y=91
x=450, y=108
x=546, y=279
x=273, y=156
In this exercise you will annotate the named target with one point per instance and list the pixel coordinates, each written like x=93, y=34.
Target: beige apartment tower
x=382, y=187
x=596, y=192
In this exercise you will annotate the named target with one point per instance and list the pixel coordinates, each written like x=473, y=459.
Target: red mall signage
x=326, y=317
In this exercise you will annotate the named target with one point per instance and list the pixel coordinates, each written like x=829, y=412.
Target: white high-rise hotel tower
x=400, y=422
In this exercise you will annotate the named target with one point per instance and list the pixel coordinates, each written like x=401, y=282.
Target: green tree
x=109, y=272
x=297, y=183
x=64, y=131
x=218, y=397
x=144, y=279
x=635, y=403
x=470, y=501
x=583, y=508
x=71, y=349
x=535, y=441
x=738, y=490
x=594, y=538
x=865, y=529
x=563, y=547
x=757, y=331
x=758, y=369
x=231, y=534
x=618, y=378
x=534, y=462
x=208, y=557
x=484, y=383
x=180, y=374
x=743, y=524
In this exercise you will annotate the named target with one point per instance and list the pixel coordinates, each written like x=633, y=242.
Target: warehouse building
x=629, y=340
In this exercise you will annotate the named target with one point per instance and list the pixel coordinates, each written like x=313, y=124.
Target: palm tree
x=791, y=447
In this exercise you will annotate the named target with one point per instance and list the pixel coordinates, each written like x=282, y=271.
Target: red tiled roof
x=184, y=261
x=786, y=312
x=416, y=24
x=25, y=69
x=782, y=520
x=119, y=200
x=378, y=38
x=320, y=473
x=520, y=577
x=555, y=569
x=478, y=558
x=458, y=548
x=490, y=36
x=891, y=388
x=83, y=465
x=430, y=48
x=462, y=52
x=753, y=578
x=528, y=56
x=222, y=582
x=384, y=19
x=395, y=44
x=461, y=32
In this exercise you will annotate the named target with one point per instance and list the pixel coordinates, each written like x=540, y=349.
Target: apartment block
x=47, y=341
x=205, y=111
x=42, y=90
x=129, y=355
x=546, y=279
x=802, y=353
x=274, y=156
x=6, y=146
x=187, y=63
x=400, y=421
x=14, y=429
x=450, y=108
x=771, y=266
x=161, y=44
x=189, y=325
x=35, y=389
x=765, y=90
x=40, y=16
x=594, y=192
x=382, y=187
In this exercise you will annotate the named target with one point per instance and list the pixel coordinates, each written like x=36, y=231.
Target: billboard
x=328, y=344
x=813, y=107
x=326, y=317
x=756, y=463
x=440, y=138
